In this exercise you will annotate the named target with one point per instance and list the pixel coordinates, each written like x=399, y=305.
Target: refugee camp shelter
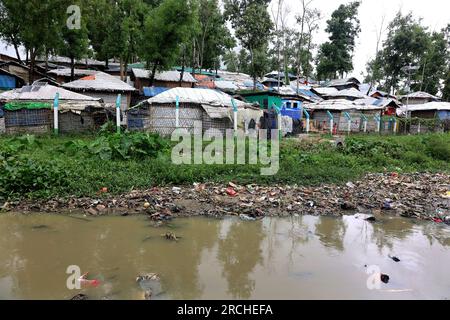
x=272, y=82
x=29, y=109
x=22, y=72
x=9, y=81
x=85, y=63
x=164, y=79
x=340, y=109
x=265, y=99
x=418, y=97
x=430, y=110
x=64, y=75
x=343, y=84
x=213, y=109
x=103, y=86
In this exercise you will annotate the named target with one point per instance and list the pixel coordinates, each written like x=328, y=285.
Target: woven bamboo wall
x=29, y=121
x=2, y=125
x=161, y=119
x=70, y=122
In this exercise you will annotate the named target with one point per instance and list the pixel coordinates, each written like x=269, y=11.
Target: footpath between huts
x=133, y=174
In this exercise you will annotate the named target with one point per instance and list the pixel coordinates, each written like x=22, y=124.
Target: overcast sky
x=435, y=14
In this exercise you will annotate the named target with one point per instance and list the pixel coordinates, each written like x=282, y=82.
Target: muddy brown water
x=302, y=257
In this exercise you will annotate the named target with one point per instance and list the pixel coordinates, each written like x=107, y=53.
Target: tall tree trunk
x=46, y=62
x=183, y=62
x=152, y=76
x=121, y=69
x=33, y=53
x=16, y=48
x=252, y=57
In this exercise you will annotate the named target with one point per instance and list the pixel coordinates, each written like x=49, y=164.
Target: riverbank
x=421, y=195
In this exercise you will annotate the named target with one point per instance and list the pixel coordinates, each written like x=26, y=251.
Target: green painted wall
x=264, y=100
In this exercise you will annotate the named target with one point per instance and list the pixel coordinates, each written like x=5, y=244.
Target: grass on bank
x=47, y=166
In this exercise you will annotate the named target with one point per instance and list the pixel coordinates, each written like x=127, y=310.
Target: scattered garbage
x=150, y=284
x=231, y=192
x=80, y=296
x=104, y=190
x=86, y=283
x=418, y=195
x=347, y=206
x=394, y=258
x=384, y=278
x=40, y=226
x=246, y=217
x=171, y=236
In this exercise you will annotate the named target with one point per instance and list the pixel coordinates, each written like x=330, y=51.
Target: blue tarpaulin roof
x=7, y=82
x=153, y=91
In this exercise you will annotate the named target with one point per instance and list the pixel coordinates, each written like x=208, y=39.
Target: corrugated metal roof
x=169, y=76
x=197, y=96
x=99, y=81
x=325, y=91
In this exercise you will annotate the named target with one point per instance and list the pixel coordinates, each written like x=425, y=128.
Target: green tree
x=10, y=23
x=406, y=42
x=213, y=38
x=74, y=42
x=167, y=29
x=38, y=22
x=335, y=56
x=253, y=26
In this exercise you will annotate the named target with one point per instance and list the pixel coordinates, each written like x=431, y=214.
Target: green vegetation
x=43, y=167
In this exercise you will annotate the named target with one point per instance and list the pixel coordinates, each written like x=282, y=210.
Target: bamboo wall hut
x=165, y=79
x=29, y=110
x=212, y=108
x=64, y=75
x=103, y=86
x=418, y=97
x=2, y=121
x=320, y=120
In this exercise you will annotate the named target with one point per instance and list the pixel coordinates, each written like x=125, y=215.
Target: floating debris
x=384, y=278
x=80, y=296
x=171, y=236
x=394, y=258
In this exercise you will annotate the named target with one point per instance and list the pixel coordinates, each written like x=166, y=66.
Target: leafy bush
x=438, y=148
x=120, y=146
x=19, y=176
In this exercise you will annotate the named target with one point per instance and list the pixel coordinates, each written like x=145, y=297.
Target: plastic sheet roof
x=196, y=96
x=420, y=95
x=342, y=105
x=43, y=92
x=169, y=76
x=67, y=72
x=99, y=81
x=439, y=106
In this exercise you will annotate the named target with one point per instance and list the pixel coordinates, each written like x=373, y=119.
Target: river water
x=302, y=257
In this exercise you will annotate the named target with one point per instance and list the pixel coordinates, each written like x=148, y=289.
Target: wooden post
x=55, y=114
x=118, y=102
x=177, y=112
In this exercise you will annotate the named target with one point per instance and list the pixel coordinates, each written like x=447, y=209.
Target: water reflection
x=331, y=232
x=294, y=258
x=239, y=253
